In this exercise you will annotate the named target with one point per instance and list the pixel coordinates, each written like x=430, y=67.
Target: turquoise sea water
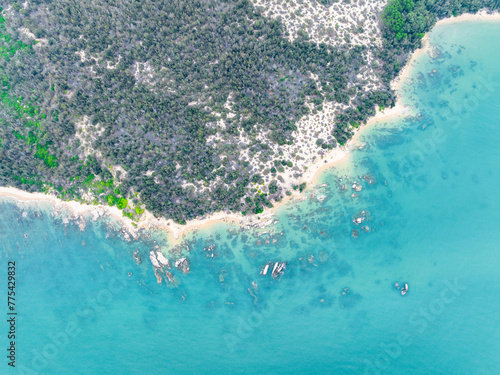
x=431, y=217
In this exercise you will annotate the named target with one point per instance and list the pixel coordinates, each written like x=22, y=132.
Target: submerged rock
x=348, y=299
x=358, y=220
x=159, y=279
x=154, y=261
x=371, y=180
x=137, y=257
x=404, y=289
x=163, y=261
x=82, y=223
x=279, y=268
x=264, y=270
x=169, y=276
x=357, y=187
x=183, y=265
x=158, y=259
x=360, y=217
x=210, y=251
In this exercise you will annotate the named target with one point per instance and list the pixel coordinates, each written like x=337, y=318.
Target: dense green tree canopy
x=124, y=99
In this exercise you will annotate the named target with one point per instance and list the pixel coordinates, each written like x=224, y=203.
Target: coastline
x=77, y=209
x=482, y=15
x=176, y=231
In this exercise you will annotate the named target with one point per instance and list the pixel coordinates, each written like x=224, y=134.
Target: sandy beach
x=329, y=159
x=147, y=221
x=482, y=15
x=76, y=209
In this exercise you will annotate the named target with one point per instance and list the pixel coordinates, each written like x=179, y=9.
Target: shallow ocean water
x=432, y=218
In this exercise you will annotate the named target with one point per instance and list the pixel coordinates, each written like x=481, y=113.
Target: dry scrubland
x=340, y=24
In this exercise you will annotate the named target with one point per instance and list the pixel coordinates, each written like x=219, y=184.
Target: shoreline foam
x=329, y=159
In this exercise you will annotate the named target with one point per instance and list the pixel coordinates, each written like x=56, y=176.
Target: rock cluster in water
x=278, y=269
